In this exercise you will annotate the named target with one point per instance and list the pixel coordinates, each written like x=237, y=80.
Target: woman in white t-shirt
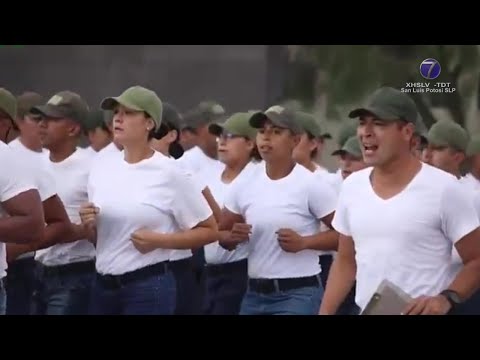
x=278, y=209
x=141, y=207
x=226, y=270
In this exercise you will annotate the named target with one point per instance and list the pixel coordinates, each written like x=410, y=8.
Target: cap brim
x=111, y=102
x=339, y=152
x=215, y=129
x=258, y=120
x=370, y=111
x=176, y=150
x=48, y=111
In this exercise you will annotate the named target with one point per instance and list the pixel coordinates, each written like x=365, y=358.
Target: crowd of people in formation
x=217, y=213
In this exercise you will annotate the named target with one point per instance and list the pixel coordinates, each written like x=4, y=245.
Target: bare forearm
x=77, y=232
x=191, y=239
x=326, y=240
x=15, y=250
x=340, y=282
x=467, y=281
x=54, y=233
x=21, y=229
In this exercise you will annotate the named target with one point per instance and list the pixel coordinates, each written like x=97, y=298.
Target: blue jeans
x=300, y=301
x=189, y=292
x=20, y=286
x=226, y=285
x=3, y=298
x=152, y=294
x=63, y=290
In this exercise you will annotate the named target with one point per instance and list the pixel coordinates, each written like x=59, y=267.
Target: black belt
x=69, y=269
x=182, y=264
x=227, y=268
x=117, y=281
x=267, y=286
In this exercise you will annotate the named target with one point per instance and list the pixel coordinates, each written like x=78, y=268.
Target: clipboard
x=389, y=299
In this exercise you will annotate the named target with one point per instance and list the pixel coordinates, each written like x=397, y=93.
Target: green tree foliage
x=348, y=73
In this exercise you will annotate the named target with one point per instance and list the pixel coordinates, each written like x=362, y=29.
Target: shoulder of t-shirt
x=438, y=178
x=356, y=180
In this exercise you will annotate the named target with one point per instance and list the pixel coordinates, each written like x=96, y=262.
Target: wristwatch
x=452, y=297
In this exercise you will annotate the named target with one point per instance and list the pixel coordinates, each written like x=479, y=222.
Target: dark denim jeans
x=300, y=301
x=20, y=284
x=226, y=285
x=154, y=294
x=189, y=291
x=62, y=290
x=3, y=298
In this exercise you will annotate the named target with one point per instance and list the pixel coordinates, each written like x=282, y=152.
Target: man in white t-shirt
x=473, y=155
x=399, y=219
x=21, y=213
x=202, y=154
x=447, y=142
x=21, y=263
x=67, y=268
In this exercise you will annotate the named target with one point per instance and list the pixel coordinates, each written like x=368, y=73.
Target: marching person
x=226, y=270
x=65, y=267
x=278, y=209
x=473, y=159
x=447, y=142
x=21, y=212
x=137, y=200
x=399, y=218
x=21, y=263
x=166, y=141
x=98, y=132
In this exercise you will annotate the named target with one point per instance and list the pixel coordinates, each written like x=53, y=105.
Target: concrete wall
x=239, y=76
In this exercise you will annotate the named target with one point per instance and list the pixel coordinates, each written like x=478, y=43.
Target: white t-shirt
x=408, y=238
x=14, y=180
x=297, y=202
x=200, y=185
x=327, y=178
x=71, y=177
x=471, y=181
x=214, y=253
x=153, y=194
x=38, y=169
x=195, y=162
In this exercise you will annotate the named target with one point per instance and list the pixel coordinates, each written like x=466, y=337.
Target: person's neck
x=231, y=171
x=62, y=152
x=279, y=170
x=309, y=164
x=137, y=152
x=31, y=145
x=398, y=171
x=117, y=145
x=457, y=173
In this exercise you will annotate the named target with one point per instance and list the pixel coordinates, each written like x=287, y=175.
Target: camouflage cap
x=347, y=130
x=26, y=101
x=137, y=98
x=473, y=147
x=203, y=114
x=8, y=103
x=279, y=116
x=389, y=104
x=65, y=104
x=311, y=125
x=351, y=146
x=237, y=124
x=449, y=134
